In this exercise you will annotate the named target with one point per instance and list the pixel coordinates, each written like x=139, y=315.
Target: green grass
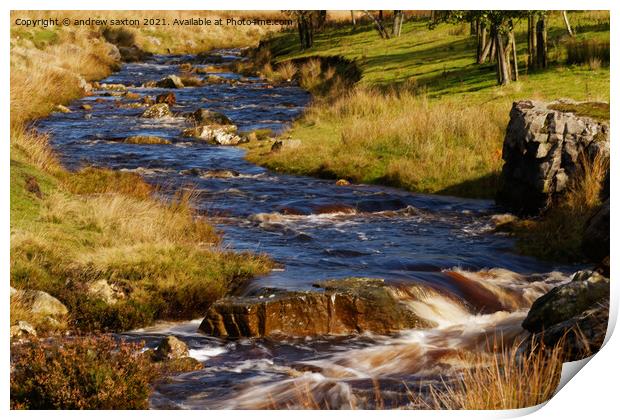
x=433, y=72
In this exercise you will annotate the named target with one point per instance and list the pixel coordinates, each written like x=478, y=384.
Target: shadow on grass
x=483, y=187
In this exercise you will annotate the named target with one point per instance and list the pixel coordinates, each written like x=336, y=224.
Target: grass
x=71, y=229
x=433, y=72
x=558, y=235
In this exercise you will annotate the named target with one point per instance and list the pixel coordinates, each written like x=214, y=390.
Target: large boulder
x=574, y=315
x=39, y=302
x=595, y=242
x=340, y=307
x=542, y=151
x=585, y=290
x=170, y=82
x=157, y=111
x=101, y=289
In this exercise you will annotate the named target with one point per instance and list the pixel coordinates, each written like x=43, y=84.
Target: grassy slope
x=371, y=137
x=99, y=224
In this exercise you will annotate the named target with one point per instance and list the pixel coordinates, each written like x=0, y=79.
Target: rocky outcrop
x=157, y=111
x=576, y=312
x=170, y=82
x=340, y=307
x=542, y=152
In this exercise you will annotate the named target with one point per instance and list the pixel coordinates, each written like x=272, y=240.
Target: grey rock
x=204, y=116
x=224, y=135
x=39, y=302
x=542, y=151
x=101, y=289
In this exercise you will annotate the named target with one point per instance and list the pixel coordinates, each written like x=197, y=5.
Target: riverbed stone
x=171, y=348
x=224, y=135
x=146, y=140
x=157, y=111
x=170, y=82
x=543, y=151
x=338, y=307
x=166, y=98
x=205, y=116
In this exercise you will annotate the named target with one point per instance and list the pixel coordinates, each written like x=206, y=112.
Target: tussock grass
x=396, y=138
x=508, y=379
x=593, y=52
x=558, y=234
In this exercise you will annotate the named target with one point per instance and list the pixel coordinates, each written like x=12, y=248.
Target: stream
x=315, y=230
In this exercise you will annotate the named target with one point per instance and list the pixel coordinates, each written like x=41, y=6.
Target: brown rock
x=345, y=306
x=171, y=348
x=166, y=98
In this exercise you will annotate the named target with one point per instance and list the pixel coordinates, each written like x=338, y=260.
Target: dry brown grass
x=396, y=138
x=509, y=379
x=558, y=234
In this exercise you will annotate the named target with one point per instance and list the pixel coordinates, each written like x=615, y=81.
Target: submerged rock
x=146, y=140
x=346, y=306
x=157, y=111
x=542, y=151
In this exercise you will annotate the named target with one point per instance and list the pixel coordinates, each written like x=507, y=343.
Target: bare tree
x=378, y=24
x=567, y=23
x=541, y=42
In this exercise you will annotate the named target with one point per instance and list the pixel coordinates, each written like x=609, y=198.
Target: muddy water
x=442, y=247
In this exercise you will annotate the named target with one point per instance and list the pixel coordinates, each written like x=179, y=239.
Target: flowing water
x=466, y=279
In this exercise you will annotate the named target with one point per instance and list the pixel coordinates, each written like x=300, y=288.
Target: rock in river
x=204, y=116
x=170, y=82
x=225, y=135
x=171, y=348
x=576, y=312
x=346, y=306
x=157, y=111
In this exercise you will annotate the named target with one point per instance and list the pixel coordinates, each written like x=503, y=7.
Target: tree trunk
x=541, y=43
x=321, y=19
x=398, y=22
x=492, y=53
x=484, y=45
x=380, y=15
x=567, y=23
x=503, y=77
x=379, y=25
x=515, y=72
x=353, y=18
x=531, y=41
